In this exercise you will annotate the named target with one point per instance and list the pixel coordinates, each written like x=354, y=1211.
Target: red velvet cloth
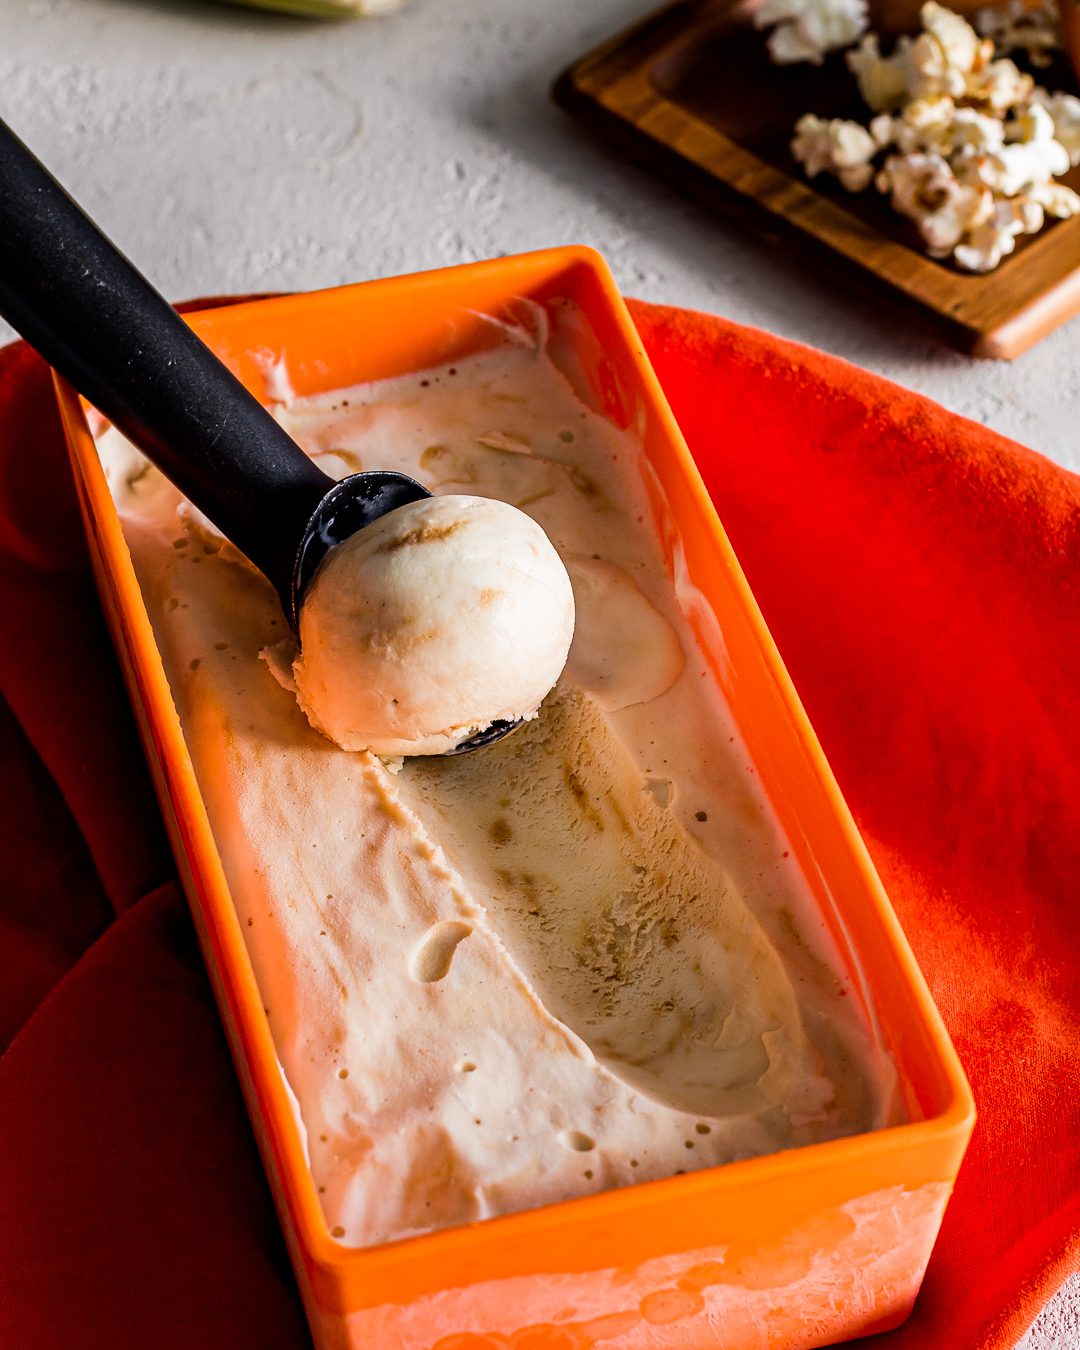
x=922, y=578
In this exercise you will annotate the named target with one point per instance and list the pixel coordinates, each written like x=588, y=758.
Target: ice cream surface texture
x=578, y=959
x=431, y=623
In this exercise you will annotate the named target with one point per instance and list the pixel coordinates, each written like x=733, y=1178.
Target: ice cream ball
x=431, y=623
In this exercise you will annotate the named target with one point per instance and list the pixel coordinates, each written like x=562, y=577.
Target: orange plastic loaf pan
x=800, y=1249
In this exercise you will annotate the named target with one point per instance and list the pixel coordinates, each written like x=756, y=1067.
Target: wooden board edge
x=580, y=90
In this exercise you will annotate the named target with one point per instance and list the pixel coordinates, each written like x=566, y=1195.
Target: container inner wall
x=671, y=1104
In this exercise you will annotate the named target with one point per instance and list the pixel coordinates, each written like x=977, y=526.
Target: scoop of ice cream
x=431, y=623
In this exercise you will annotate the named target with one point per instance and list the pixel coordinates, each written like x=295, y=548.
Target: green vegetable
x=322, y=9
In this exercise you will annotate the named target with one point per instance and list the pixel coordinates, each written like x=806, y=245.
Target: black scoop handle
x=75, y=298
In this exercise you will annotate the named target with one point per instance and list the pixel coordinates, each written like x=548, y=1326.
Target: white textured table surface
x=226, y=150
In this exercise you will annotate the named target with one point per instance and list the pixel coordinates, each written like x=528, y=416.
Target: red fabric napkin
x=922, y=578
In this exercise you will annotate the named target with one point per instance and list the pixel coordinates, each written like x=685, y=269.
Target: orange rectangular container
x=800, y=1249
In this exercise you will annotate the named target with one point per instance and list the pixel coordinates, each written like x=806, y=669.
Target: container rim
x=223, y=941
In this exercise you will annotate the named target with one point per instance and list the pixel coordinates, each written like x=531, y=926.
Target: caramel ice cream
x=579, y=959
x=430, y=624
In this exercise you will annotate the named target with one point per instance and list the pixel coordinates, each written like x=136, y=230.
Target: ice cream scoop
x=66, y=288
x=436, y=622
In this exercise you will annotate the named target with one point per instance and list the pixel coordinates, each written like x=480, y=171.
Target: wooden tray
x=691, y=90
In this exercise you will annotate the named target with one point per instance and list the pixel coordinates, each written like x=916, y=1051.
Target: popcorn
x=1022, y=26
x=1019, y=217
x=807, y=29
x=882, y=128
x=995, y=238
x=985, y=249
x=943, y=60
x=1021, y=166
x=929, y=71
x=972, y=149
x=924, y=188
x=837, y=147
x=938, y=124
x=973, y=133
x=1056, y=199
x=1001, y=86
x=1064, y=110
x=882, y=80
x=1032, y=123
x=945, y=54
